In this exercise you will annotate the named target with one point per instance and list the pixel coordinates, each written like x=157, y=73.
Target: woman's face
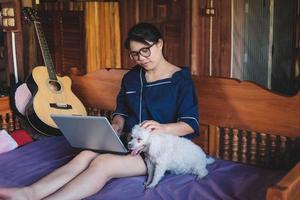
x=148, y=56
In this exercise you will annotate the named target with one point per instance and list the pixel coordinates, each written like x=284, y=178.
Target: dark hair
x=143, y=32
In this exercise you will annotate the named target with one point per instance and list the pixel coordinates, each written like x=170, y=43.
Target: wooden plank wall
x=171, y=17
x=211, y=38
x=187, y=33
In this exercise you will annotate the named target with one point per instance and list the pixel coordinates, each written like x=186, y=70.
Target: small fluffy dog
x=167, y=152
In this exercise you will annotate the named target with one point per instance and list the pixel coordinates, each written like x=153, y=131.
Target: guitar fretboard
x=45, y=50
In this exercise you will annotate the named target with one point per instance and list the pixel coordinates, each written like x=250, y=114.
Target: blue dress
x=165, y=101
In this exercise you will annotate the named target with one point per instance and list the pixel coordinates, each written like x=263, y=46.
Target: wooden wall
x=193, y=36
x=171, y=17
x=211, y=37
x=64, y=31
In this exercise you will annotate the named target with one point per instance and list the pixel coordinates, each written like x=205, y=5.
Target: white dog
x=167, y=152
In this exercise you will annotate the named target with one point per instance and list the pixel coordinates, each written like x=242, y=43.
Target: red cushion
x=21, y=137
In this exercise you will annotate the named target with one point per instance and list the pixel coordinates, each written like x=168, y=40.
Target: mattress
x=226, y=180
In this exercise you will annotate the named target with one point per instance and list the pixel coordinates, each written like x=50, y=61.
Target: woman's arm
x=178, y=128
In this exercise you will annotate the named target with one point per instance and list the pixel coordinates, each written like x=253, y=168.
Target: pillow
x=7, y=143
x=21, y=137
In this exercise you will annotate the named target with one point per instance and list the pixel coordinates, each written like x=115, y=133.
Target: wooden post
x=14, y=39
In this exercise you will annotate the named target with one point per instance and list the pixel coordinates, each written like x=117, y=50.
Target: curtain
x=252, y=40
x=263, y=43
x=103, y=40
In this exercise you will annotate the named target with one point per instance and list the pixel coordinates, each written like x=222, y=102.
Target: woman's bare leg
x=52, y=182
x=101, y=169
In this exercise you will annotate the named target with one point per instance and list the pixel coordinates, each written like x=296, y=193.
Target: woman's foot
x=15, y=194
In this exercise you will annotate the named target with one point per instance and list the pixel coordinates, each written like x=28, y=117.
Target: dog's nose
x=129, y=145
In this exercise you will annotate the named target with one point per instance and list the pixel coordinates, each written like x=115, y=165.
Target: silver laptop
x=90, y=132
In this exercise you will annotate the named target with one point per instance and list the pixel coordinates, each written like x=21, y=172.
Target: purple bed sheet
x=226, y=180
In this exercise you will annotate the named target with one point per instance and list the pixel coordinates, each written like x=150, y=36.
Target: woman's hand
x=154, y=126
x=117, y=128
x=118, y=124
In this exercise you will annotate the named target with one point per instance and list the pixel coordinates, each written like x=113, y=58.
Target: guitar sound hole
x=55, y=86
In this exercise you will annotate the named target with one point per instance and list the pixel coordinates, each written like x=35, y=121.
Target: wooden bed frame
x=8, y=121
x=240, y=121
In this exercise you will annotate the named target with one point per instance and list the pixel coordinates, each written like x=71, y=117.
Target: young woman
x=155, y=93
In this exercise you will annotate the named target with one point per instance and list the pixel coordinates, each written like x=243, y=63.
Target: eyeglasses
x=145, y=52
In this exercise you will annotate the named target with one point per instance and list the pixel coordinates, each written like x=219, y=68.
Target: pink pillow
x=7, y=143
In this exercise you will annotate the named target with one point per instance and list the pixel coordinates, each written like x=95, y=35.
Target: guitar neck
x=45, y=50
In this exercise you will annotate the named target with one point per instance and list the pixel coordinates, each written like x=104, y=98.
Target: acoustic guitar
x=52, y=94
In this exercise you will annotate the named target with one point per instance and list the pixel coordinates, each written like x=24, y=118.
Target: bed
x=252, y=132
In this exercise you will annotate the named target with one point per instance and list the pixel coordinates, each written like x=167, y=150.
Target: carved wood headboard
x=240, y=120
x=248, y=123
